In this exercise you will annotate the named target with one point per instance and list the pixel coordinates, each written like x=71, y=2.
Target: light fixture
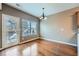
x=43, y=15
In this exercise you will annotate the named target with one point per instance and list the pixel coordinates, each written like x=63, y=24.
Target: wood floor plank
x=40, y=48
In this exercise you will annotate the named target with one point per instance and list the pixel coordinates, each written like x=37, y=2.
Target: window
x=25, y=28
x=28, y=28
x=33, y=28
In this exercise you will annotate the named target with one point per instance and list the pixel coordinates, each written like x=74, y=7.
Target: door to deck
x=10, y=30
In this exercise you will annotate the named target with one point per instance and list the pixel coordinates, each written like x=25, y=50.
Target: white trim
x=59, y=42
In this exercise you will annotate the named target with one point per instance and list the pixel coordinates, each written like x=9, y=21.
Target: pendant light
x=43, y=17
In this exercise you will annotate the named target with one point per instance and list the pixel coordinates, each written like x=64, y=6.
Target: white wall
x=58, y=27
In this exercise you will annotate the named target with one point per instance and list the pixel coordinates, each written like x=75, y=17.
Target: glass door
x=10, y=30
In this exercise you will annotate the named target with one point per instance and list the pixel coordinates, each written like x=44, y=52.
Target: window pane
x=25, y=28
x=33, y=28
x=10, y=24
x=11, y=36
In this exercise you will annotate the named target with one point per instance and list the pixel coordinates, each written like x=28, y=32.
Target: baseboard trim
x=19, y=43
x=59, y=42
x=29, y=40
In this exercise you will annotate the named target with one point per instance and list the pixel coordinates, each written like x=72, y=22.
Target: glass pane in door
x=11, y=36
x=11, y=32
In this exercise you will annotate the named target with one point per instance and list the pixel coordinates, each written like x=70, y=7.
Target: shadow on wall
x=74, y=39
x=74, y=29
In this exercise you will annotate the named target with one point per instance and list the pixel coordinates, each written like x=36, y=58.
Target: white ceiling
x=50, y=8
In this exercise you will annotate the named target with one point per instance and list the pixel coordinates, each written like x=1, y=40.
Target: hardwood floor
x=40, y=48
